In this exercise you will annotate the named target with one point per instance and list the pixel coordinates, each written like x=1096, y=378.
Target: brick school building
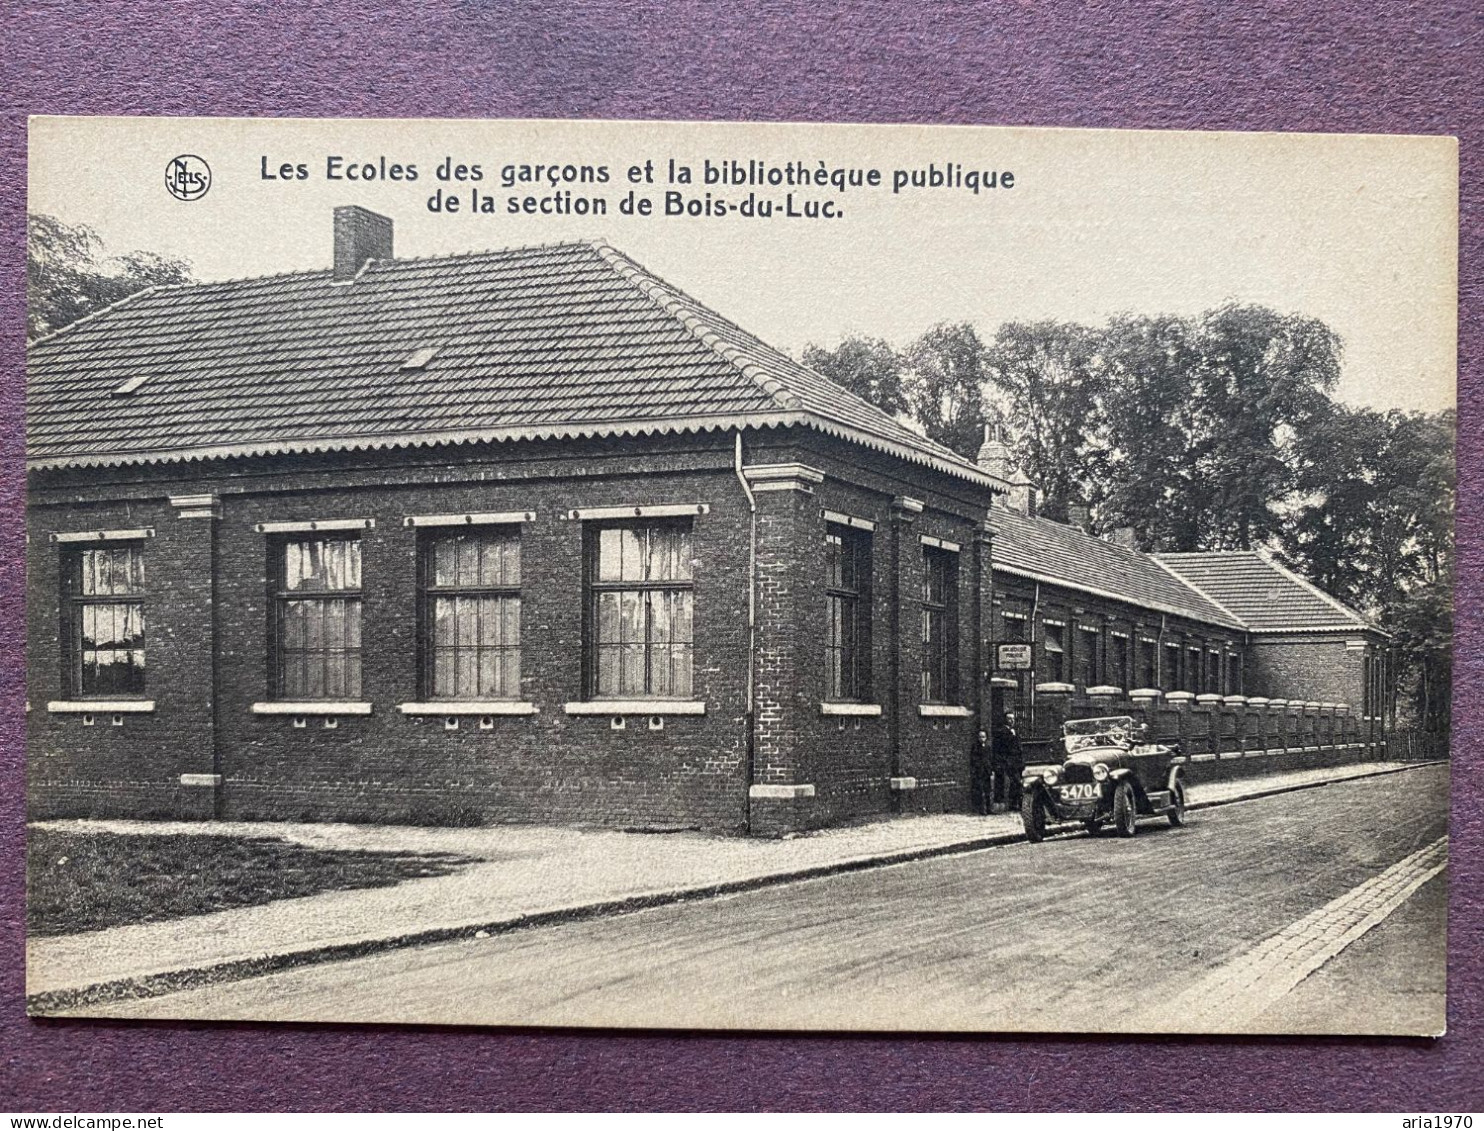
x=532, y=535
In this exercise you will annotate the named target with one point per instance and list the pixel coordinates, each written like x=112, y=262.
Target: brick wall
x=387, y=767
x=1077, y=609
x=209, y=593
x=1324, y=668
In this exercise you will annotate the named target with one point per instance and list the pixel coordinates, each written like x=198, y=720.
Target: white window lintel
x=471, y=518
x=848, y=520
x=310, y=527
x=638, y=510
x=135, y=534
x=941, y=544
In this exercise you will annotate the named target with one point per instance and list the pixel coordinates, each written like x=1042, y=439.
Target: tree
x=944, y=383
x=868, y=367
x=1144, y=472
x=1262, y=380
x=68, y=275
x=1047, y=382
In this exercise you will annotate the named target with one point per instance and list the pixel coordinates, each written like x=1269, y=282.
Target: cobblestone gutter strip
x=158, y=985
x=1235, y=993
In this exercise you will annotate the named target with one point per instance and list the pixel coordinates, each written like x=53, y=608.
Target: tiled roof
x=566, y=340
x=1063, y=555
x=1267, y=597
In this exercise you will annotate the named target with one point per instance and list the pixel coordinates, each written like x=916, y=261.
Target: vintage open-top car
x=1110, y=773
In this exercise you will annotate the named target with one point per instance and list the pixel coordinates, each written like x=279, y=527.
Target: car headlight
x=1100, y=772
x=1048, y=775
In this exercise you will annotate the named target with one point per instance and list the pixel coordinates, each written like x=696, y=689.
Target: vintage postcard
x=734, y=576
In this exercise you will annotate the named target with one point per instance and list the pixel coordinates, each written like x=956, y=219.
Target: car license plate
x=1083, y=791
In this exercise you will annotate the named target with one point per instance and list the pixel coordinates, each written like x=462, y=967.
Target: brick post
x=781, y=792
x=906, y=657
x=983, y=598
x=191, y=542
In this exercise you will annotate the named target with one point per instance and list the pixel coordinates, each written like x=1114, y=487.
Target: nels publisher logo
x=187, y=177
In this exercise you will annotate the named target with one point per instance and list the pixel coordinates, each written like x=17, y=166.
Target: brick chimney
x=1122, y=536
x=994, y=458
x=360, y=235
x=994, y=455
x=1078, y=516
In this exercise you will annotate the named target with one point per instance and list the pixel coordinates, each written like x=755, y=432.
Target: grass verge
x=90, y=881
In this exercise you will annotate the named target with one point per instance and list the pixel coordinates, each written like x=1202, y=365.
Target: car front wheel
x=1033, y=814
x=1125, y=811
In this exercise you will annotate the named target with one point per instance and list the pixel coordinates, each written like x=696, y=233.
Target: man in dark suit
x=1006, y=762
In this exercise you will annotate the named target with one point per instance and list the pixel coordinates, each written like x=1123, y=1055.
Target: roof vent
x=420, y=358
x=131, y=385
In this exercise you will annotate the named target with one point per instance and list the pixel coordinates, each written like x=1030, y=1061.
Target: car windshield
x=1088, y=734
x=1078, y=742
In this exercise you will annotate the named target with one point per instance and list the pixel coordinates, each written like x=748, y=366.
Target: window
x=1148, y=663
x=939, y=625
x=317, y=618
x=1088, y=667
x=1170, y=676
x=1213, y=673
x=103, y=607
x=1015, y=629
x=847, y=587
x=1118, y=661
x=1056, y=659
x=1193, y=669
x=471, y=614
x=640, y=608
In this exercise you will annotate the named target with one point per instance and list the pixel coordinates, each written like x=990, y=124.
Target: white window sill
x=942, y=711
x=780, y=792
x=635, y=707
x=438, y=709
x=101, y=706
x=857, y=710
x=316, y=707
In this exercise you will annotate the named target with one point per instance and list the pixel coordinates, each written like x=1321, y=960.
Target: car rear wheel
x=1177, y=803
x=1033, y=815
x=1125, y=811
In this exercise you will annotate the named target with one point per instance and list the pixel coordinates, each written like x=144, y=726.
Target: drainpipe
x=751, y=621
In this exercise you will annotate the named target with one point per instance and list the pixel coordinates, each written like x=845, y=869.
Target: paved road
x=1077, y=933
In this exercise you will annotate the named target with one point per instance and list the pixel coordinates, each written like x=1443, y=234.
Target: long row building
x=532, y=535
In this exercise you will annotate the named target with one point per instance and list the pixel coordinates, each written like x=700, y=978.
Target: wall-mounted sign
x=1013, y=657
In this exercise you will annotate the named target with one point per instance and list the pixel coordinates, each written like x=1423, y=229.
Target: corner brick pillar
x=192, y=540
x=787, y=572
x=981, y=653
x=905, y=665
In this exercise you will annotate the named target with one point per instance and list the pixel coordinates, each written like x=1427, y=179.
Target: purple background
x=1211, y=65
